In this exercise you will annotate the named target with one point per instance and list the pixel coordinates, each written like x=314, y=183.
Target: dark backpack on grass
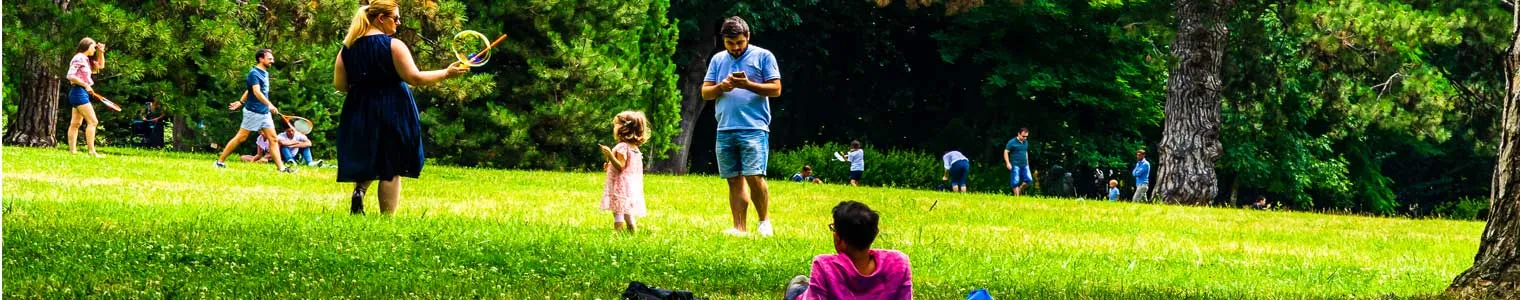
x=639, y=291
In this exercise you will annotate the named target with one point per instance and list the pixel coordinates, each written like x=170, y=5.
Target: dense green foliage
x=155, y=224
x=1376, y=106
x=1308, y=119
x=566, y=69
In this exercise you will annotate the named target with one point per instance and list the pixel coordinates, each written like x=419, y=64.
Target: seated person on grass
x=806, y=175
x=262, y=156
x=856, y=271
x=293, y=144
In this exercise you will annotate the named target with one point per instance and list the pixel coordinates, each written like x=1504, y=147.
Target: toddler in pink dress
x=624, y=192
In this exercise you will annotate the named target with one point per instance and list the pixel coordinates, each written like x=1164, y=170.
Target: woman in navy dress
x=379, y=134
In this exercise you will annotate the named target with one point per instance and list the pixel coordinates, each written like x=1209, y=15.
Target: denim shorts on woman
x=78, y=96
x=743, y=152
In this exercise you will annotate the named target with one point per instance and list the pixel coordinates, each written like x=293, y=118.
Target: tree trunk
x=692, y=104
x=1190, y=141
x=1496, y=268
x=183, y=134
x=36, y=121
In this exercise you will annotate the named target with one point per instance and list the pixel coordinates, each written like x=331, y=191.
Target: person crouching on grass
x=624, y=192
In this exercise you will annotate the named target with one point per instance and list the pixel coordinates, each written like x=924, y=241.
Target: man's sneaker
x=290, y=162
x=315, y=163
x=765, y=228
x=219, y=164
x=288, y=169
x=735, y=232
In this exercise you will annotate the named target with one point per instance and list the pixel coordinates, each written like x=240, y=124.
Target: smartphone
x=739, y=74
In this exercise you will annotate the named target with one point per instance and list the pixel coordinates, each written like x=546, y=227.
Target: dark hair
x=734, y=27
x=855, y=144
x=855, y=223
x=1023, y=129
x=261, y=53
x=84, y=44
x=1140, y=152
x=807, y=168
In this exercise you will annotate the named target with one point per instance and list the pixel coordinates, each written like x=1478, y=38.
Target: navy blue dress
x=379, y=134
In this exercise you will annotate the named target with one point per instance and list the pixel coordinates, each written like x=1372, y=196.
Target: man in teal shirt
x=1016, y=158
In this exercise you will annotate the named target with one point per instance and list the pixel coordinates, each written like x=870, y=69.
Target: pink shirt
x=81, y=67
x=835, y=277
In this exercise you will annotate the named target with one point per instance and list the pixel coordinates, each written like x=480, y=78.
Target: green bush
x=1464, y=209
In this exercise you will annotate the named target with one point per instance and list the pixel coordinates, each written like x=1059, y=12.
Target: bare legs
x=83, y=115
x=390, y=195
x=738, y=199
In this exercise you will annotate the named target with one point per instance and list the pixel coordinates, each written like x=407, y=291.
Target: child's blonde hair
x=631, y=127
x=1113, y=183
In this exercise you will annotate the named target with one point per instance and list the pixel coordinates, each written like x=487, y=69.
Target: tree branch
x=1386, y=84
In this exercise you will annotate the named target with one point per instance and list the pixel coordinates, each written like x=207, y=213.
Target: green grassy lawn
x=141, y=224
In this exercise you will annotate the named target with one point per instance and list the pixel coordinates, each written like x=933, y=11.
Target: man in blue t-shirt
x=256, y=114
x=1142, y=174
x=1016, y=158
x=742, y=79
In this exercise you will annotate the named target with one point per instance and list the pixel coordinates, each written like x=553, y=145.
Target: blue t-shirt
x=951, y=157
x=260, y=77
x=857, y=160
x=1113, y=194
x=1018, y=152
x=740, y=108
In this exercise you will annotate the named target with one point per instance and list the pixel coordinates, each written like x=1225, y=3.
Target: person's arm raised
x=100, y=58
x=401, y=55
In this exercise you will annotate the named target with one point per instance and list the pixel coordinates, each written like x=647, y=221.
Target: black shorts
x=855, y=175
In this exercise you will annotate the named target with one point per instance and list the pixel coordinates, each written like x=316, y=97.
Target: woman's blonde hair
x=631, y=127
x=360, y=24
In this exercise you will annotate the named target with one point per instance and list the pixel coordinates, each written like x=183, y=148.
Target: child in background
x=624, y=192
x=1113, y=190
x=857, y=159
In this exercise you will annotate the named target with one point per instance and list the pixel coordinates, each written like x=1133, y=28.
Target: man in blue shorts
x=742, y=79
x=1016, y=158
x=256, y=114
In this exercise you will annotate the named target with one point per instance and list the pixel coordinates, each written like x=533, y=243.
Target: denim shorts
x=78, y=96
x=1019, y=175
x=743, y=152
x=958, y=172
x=253, y=121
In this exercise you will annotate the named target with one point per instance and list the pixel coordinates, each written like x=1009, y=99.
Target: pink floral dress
x=624, y=192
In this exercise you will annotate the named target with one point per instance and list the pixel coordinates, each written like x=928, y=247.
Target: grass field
x=144, y=224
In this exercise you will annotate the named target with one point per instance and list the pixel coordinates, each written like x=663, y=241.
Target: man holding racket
x=742, y=79
x=256, y=114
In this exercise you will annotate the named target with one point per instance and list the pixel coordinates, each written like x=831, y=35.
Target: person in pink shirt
x=89, y=58
x=857, y=271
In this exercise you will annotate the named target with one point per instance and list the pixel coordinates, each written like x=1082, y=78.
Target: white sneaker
x=765, y=228
x=735, y=232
